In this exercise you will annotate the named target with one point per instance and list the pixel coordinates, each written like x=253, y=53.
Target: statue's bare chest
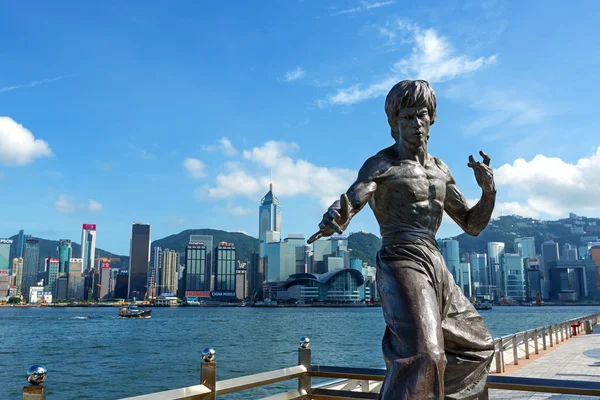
x=412, y=182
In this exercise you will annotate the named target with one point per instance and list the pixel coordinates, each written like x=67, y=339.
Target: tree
x=14, y=300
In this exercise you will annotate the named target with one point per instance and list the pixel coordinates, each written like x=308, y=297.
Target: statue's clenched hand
x=483, y=173
x=336, y=216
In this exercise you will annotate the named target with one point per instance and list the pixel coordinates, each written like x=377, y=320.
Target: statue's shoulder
x=377, y=164
x=442, y=166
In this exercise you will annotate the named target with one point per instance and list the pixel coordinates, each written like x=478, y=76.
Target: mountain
x=575, y=230
x=364, y=247
x=245, y=245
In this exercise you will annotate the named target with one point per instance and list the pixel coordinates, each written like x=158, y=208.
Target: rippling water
x=105, y=357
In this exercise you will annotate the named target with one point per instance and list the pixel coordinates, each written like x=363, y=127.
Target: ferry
x=484, y=305
x=134, y=312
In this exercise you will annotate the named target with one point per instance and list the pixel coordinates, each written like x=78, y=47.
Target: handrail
x=368, y=380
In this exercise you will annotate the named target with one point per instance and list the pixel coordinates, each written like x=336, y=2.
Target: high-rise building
x=326, y=254
x=514, y=276
x=241, y=284
x=495, y=251
x=225, y=268
x=169, y=263
x=196, y=275
x=52, y=267
x=465, y=279
x=17, y=272
x=269, y=214
x=139, y=259
x=210, y=258
x=20, y=243
x=5, y=267
x=31, y=260
x=595, y=255
x=76, y=280
x=450, y=254
x=480, y=274
x=121, y=284
x=104, y=293
x=525, y=246
x=156, y=259
x=88, y=246
x=569, y=252
x=65, y=253
x=549, y=254
x=533, y=279
x=255, y=276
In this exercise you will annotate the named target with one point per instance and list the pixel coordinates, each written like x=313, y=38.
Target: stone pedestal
x=34, y=392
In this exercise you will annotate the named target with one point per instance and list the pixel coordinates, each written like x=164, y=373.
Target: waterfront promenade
x=575, y=359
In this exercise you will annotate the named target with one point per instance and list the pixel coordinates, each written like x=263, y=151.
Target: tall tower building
x=88, y=246
x=20, y=243
x=31, y=260
x=5, y=255
x=495, y=251
x=225, y=268
x=139, y=259
x=196, y=275
x=569, y=252
x=169, y=263
x=210, y=258
x=480, y=274
x=514, y=276
x=525, y=247
x=65, y=252
x=269, y=219
x=52, y=267
x=17, y=276
x=450, y=252
x=156, y=262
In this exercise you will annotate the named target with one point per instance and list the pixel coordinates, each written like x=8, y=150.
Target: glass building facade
x=31, y=261
x=139, y=259
x=196, y=275
x=65, y=252
x=225, y=267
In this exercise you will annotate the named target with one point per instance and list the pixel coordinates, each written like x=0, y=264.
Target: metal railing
x=365, y=383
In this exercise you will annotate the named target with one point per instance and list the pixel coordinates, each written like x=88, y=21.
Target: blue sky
x=177, y=115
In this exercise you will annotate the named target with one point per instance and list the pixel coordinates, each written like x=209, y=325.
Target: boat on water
x=482, y=305
x=134, y=312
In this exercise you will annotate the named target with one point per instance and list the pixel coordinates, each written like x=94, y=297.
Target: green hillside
x=364, y=247
x=244, y=244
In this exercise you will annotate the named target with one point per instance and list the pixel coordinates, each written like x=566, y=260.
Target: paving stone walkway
x=575, y=359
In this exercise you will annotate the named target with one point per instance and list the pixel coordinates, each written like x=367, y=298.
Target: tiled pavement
x=575, y=359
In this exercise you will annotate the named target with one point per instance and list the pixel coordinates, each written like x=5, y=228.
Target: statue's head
x=411, y=109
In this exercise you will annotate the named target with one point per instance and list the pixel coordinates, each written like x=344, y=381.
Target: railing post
x=562, y=332
x=544, y=338
x=515, y=350
x=208, y=375
x=535, y=343
x=304, y=359
x=556, y=334
x=36, y=375
x=550, y=330
x=526, y=341
x=499, y=357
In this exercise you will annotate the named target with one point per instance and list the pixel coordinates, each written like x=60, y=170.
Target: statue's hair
x=409, y=94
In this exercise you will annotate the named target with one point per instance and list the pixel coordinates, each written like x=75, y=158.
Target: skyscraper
x=514, y=276
x=88, y=246
x=139, y=259
x=525, y=246
x=495, y=251
x=269, y=214
x=210, y=259
x=65, y=252
x=5, y=255
x=196, y=275
x=450, y=252
x=480, y=274
x=569, y=252
x=156, y=260
x=20, y=243
x=170, y=261
x=31, y=261
x=225, y=268
x=17, y=272
x=52, y=267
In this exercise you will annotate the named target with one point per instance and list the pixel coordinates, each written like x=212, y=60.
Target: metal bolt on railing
x=36, y=375
x=208, y=375
x=304, y=359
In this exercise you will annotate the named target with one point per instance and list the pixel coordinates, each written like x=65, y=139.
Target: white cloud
x=364, y=7
x=67, y=205
x=237, y=210
x=194, y=167
x=551, y=186
x=30, y=84
x=225, y=146
x=290, y=176
x=177, y=221
x=18, y=146
x=294, y=74
x=499, y=106
x=432, y=58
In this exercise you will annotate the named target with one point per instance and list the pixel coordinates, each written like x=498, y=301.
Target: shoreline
x=229, y=305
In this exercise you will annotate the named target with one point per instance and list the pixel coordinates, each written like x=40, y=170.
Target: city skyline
x=218, y=103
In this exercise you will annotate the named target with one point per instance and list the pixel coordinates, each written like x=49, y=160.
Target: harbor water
x=90, y=353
